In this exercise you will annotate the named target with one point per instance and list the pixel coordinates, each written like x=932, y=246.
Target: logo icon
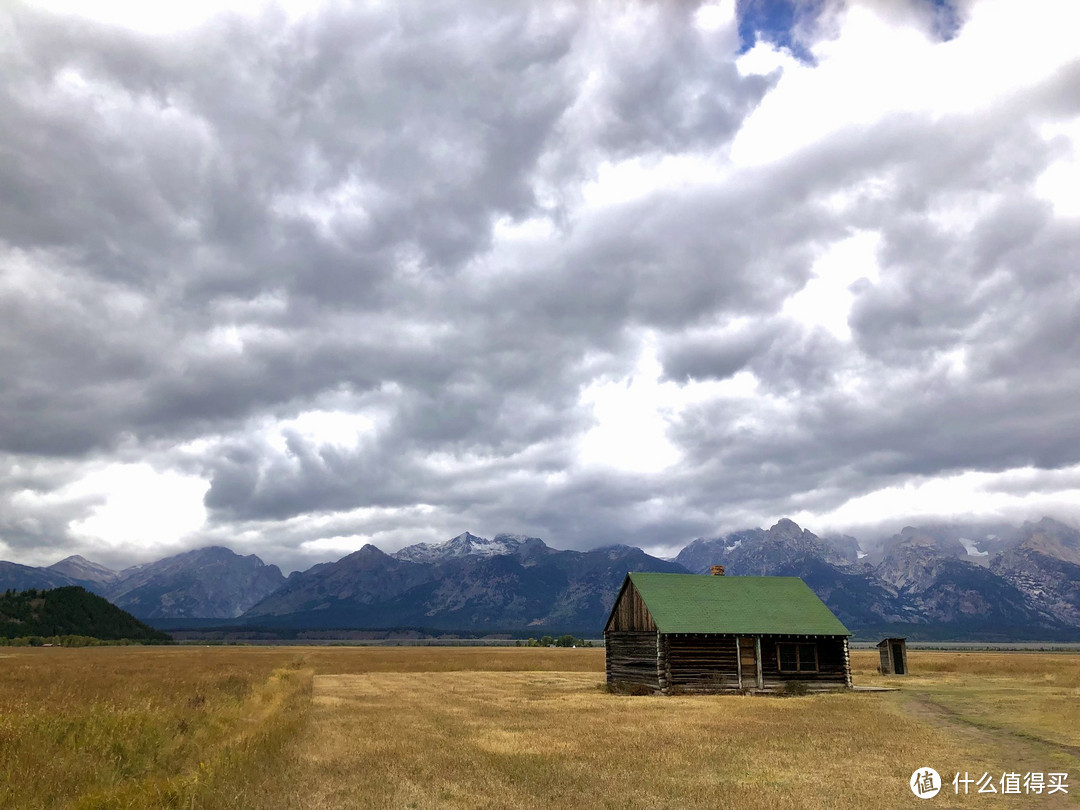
x=925, y=783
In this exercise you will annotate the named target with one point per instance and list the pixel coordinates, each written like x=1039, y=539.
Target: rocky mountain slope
x=531, y=586
x=17, y=577
x=211, y=582
x=948, y=590
x=1045, y=566
x=91, y=575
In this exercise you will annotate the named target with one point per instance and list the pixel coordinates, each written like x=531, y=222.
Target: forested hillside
x=68, y=611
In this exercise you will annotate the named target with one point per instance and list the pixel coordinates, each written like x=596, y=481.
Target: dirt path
x=923, y=705
x=1016, y=752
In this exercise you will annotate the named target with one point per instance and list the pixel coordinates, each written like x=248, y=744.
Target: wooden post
x=738, y=660
x=667, y=665
x=661, y=662
x=757, y=661
x=847, y=664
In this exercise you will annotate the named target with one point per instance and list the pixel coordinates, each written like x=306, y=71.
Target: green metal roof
x=691, y=603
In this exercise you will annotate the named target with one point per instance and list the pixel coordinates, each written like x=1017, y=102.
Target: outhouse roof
x=691, y=603
x=886, y=641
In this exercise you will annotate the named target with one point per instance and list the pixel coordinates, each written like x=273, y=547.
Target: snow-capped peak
x=464, y=545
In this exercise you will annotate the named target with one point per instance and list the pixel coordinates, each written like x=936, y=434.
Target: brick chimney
x=717, y=570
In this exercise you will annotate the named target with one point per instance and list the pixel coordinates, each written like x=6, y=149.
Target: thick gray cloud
x=370, y=272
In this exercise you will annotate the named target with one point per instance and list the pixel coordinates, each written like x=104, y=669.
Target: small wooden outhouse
x=691, y=633
x=893, y=652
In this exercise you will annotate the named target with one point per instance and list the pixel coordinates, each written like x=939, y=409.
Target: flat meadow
x=439, y=727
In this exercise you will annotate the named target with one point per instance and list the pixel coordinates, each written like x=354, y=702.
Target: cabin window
x=797, y=657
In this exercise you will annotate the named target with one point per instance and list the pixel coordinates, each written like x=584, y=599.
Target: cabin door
x=749, y=664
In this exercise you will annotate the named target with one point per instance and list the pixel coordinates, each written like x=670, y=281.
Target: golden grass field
x=401, y=727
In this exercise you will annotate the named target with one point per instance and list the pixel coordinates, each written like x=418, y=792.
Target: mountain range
x=211, y=582
x=505, y=584
x=946, y=581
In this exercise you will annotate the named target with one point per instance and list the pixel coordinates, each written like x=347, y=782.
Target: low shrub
x=795, y=689
x=628, y=688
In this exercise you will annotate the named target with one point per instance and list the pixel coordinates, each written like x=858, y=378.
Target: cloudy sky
x=293, y=278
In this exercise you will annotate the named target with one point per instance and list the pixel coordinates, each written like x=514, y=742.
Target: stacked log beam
x=632, y=658
x=700, y=663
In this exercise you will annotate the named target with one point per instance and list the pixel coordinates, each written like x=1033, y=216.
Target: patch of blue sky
x=783, y=23
x=776, y=22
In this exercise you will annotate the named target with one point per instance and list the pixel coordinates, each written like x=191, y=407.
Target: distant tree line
x=550, y=641
x=67, y=641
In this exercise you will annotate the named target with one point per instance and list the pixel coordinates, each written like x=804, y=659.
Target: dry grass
x=346, y=660
x=1035, y=696
x=143, y=727
x=555, y=740
x=474, y=727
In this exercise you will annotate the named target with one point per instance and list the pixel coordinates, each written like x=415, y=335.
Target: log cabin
x=679, y=633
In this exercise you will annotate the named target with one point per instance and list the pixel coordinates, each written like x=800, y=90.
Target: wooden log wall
x=631, y=658
x=674, y=663
x=701, y=663
x=709, y=663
